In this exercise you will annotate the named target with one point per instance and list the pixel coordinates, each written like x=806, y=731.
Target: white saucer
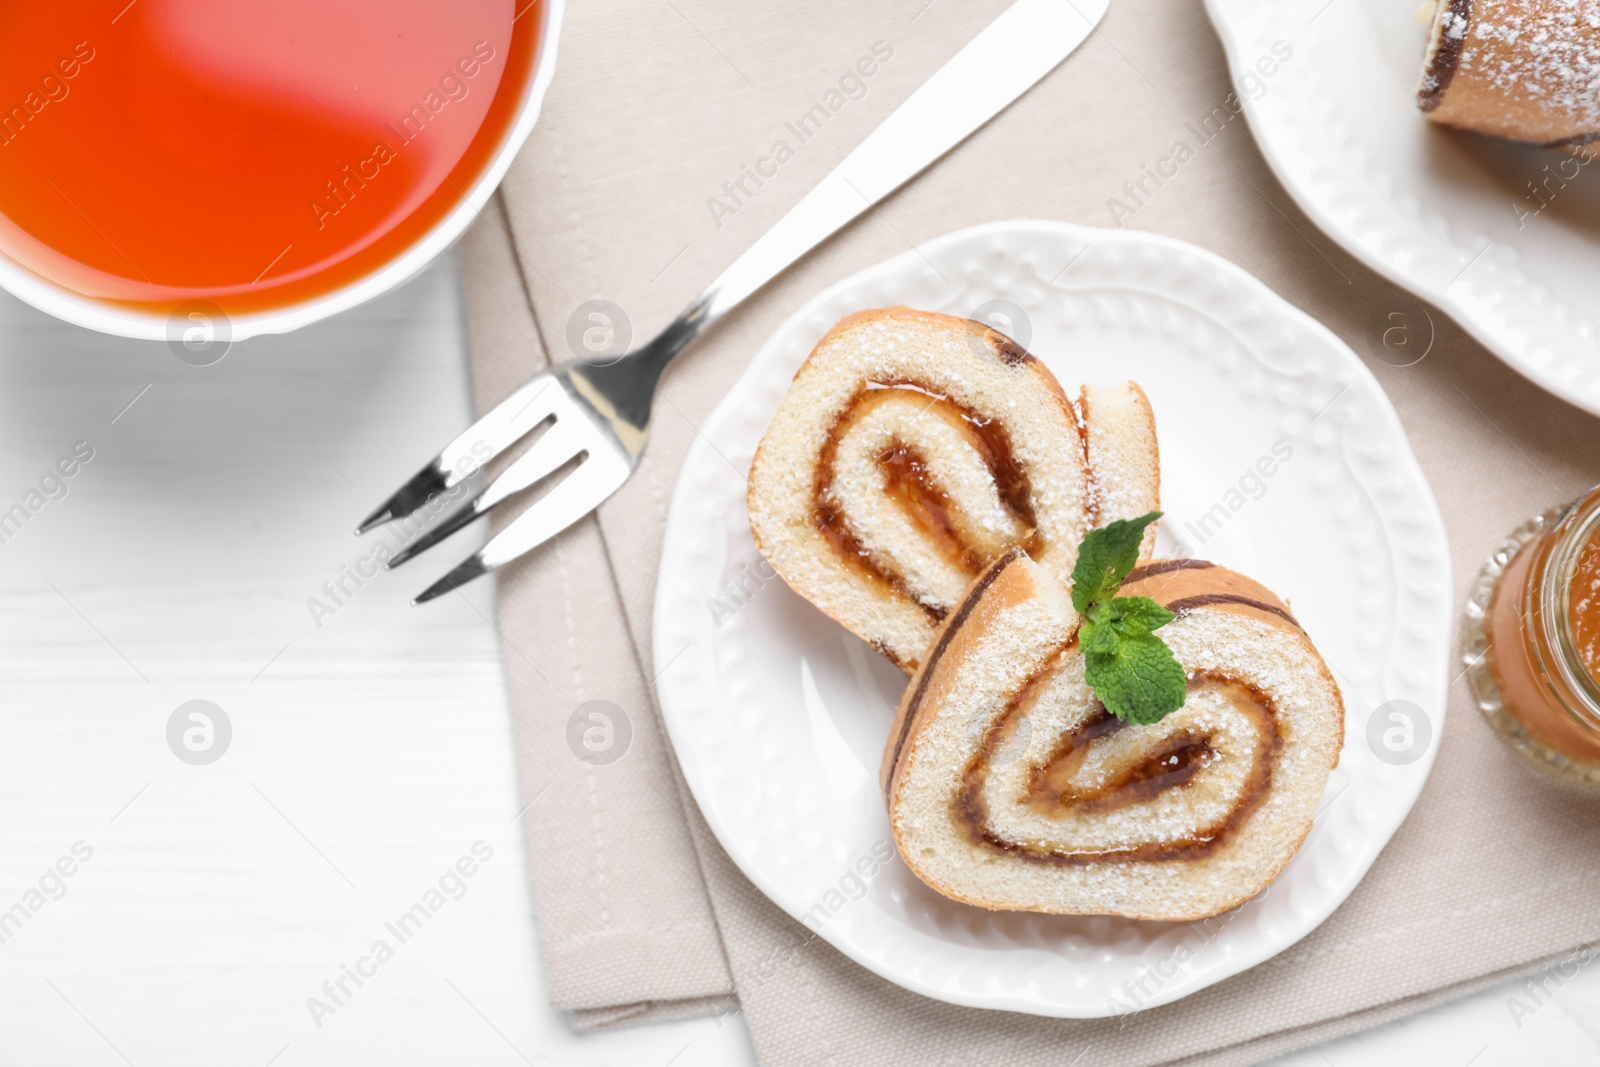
x=779, y=716
x=1447, y=215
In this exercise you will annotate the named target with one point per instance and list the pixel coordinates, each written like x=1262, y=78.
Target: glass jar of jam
x=1531, y=641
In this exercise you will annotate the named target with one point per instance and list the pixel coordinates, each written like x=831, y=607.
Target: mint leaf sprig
x=1131, y=670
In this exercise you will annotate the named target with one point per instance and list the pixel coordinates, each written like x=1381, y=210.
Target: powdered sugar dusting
x=1544, y=52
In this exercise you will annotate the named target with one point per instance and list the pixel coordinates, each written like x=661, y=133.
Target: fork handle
x=1025, y=43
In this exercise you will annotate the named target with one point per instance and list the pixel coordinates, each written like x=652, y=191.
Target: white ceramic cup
x=107, y=318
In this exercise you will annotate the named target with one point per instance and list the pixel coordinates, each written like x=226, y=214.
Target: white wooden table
x=369, y=754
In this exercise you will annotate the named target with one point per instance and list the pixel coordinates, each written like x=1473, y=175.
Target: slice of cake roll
x=1526, y=70
x=913, y=449
x=1010, y=787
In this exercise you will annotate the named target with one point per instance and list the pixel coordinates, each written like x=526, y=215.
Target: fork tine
x=463, y=516
x=579, y=493
x=503, y=426
x=558, y=444
x=470, y=568
x=408, y=498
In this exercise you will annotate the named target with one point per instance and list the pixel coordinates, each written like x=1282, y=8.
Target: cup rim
x=80, y=310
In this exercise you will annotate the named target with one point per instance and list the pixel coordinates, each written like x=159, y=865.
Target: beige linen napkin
x=634, y=189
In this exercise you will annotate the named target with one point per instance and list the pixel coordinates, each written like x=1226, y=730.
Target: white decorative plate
x=1447, y=215
x=779, y=716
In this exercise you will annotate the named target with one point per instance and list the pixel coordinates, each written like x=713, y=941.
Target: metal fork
x=595, y=417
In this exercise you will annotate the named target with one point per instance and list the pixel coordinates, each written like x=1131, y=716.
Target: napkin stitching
x=577, y=223
x=581, y=689
x=655, y=488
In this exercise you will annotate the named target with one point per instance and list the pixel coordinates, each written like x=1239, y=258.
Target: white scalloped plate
x=1441, y=213
x=779, y=716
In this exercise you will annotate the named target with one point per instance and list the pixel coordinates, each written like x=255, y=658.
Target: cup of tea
x=238, y=168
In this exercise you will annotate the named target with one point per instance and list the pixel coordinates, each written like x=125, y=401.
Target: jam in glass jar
x=1531, y=641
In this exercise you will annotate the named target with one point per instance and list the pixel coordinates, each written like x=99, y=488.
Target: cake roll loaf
x=1010, y=787
x=913, y=448
x=1526, y=70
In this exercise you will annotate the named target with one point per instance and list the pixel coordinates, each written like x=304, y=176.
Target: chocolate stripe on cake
x=1166, y=566
x=1189, y=603
x=1446, y=56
